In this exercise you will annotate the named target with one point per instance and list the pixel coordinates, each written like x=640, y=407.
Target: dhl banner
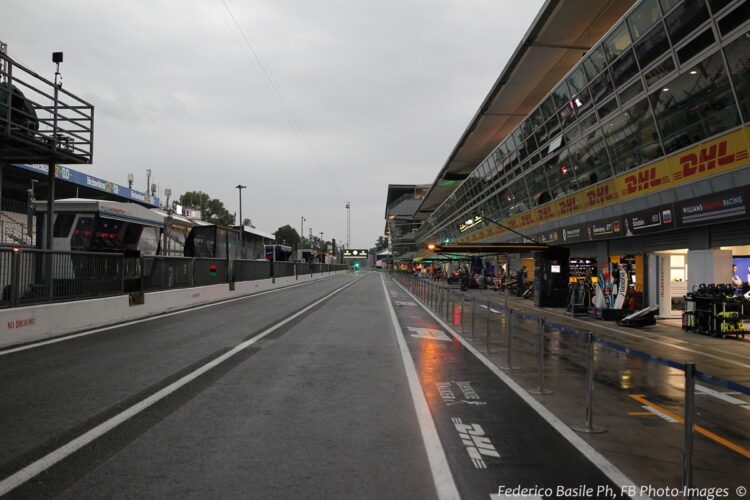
x=720, y=155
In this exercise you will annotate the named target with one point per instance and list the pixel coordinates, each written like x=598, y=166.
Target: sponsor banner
x=551, y=237
x=649, y=221
x=574, y=233
x=82, y=179
x=718, y=207
x=653, y=220
x=720, y=155
x=604, y=229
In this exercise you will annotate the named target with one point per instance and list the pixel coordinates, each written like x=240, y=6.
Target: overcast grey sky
x=382, y=89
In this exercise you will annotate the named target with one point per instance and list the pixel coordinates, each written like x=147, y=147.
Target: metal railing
x=303, y=268
x=283, y=269
x=40, y=120
x=29, y=276
x=249, y=270
x=166, y=273
x=32, y=276
x=207, y=271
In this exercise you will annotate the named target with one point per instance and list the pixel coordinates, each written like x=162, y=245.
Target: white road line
x=656, y=341
x=441, y=472
x=723, y=396
x=151, y=318
x=604, y=465
x=491, y=309
x=659, y=414
x=30, y=471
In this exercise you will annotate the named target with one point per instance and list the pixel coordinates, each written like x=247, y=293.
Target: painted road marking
x=491, y=309
x=35, y=468
x=596, y=458
x=404, y=303
x=448, y=395
x=476, y=442
x=428, y=333
x=641, y=398
x=159, y=316
x=441, y=472
x=723, y=396
x=659, y=414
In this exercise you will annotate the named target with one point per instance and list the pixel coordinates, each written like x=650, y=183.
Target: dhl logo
x=544, y=213
x=568, y=206
x=599, y=195
x=643, y=181
x=708, y=158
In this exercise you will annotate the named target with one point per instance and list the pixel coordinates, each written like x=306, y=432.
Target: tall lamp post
x=301, y=230
x=240, y=187
x=148, y=184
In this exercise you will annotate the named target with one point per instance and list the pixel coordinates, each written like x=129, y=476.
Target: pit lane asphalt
x=318, y=408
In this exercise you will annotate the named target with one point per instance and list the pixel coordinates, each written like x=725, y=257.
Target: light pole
x=148, y=184
x=348, y=224
x=240, y=187
x=322, y=248
x=301, y=229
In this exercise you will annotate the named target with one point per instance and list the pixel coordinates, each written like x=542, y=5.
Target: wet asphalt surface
x=320, y=408
x=644, y=444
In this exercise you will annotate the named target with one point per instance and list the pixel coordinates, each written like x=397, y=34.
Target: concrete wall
x=20, y=325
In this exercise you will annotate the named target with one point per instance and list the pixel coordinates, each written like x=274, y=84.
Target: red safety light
x=212, y=269
x=564, y=169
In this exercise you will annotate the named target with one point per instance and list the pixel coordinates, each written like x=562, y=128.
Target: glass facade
x=669, y=74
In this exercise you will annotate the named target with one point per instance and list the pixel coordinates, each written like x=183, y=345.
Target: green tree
x=381, y=244
x=212, y=209
x=289, y=234
x=196, y=199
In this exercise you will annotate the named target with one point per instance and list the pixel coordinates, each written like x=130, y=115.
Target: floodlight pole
x=57, y=58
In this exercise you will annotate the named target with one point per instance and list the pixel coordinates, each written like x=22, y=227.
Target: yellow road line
x=641, y=414
x=701, y=430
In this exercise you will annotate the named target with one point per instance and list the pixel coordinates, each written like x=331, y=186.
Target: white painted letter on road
x=428, y=333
